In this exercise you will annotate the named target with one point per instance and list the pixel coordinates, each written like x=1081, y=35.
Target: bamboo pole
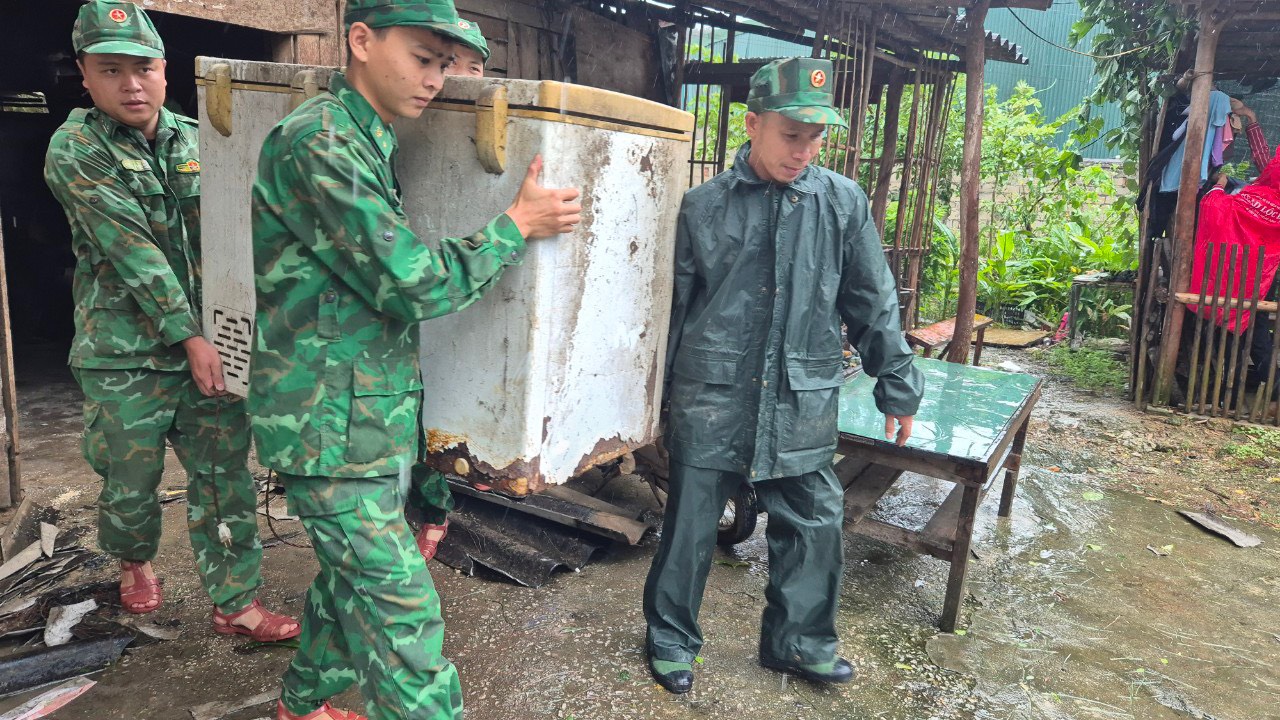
x=1185, y=215
x=1243, y=368
x=1195, y=344
x=11, y=491
x=975, y=57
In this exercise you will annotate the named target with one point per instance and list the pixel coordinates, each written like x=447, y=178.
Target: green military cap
x=115, y=26
x=474, y=38
x=799, y=88
x=438, y=15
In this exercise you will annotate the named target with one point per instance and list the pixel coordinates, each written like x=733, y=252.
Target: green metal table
x=970, y=430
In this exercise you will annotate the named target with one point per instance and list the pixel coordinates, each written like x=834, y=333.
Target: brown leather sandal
x=283, y=714
x=143, y=590
x=428, y=546
x=267, y=631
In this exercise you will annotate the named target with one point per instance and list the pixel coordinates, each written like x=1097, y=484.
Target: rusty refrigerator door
x=559, y=367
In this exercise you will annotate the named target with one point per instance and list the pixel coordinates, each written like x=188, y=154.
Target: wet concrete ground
x=1069, y=615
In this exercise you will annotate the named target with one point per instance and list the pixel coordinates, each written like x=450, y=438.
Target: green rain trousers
x=806, y=561
x=373, y=615
x=128, y=415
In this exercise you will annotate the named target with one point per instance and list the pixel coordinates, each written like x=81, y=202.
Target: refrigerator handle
x=491, y=129
x=217, y=98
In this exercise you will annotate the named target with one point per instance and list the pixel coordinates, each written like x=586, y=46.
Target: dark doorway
x=39, y=86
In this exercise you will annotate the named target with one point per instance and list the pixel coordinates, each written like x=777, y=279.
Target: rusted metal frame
x=1185, y=214
x=970, y=180
x=1209, y=256
x=10, y=491
x=904, y=183
x=1242, y=368
x=1242, y=275
x=1211, y=338
x=1219, y=370
x=889, y=148
x=858, y=119
x=722, y=138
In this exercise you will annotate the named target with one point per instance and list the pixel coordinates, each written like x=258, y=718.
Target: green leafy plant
x=1095, y=370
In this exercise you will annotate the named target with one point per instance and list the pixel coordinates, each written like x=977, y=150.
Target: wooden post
x=11, y=491
x=975, y=56
x=1184, y=223
x=889, y=148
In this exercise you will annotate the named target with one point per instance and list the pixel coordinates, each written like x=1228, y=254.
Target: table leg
x=1013, y=467
x=977, y=347
x=960, y=559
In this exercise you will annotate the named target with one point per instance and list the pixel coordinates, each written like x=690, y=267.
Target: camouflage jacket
x=135, y=230
x=342, y=283
x=765, y=273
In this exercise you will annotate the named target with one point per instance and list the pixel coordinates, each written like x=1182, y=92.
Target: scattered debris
x=47, y=703
x=42, y=666
x=217, y=710
x=1161, y=551
x=10, y=536
x=1215, y=524
x=57, y=629
x=28, y=555
x=1009, y=366
x=168, y=496
x=150, y=629
x=277, y=513
x=48, y=534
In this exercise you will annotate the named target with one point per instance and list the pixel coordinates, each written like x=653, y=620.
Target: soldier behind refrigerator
x=342, y=285
x=430, y=491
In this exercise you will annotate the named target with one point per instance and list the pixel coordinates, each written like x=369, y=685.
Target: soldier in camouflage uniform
x=342, y=285
x=771, y=256
x=127, y=173
x=430, y=492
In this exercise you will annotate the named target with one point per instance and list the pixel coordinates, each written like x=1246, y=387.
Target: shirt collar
x=380, y=133
x=807, y=182
x=112, y=127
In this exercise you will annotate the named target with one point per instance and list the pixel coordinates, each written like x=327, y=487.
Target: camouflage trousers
x=128, y=416
x=373, y=615
x=430, y=494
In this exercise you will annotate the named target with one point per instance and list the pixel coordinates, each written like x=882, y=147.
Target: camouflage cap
x=474, y=38
x=115, y=26
x=799, y=88
x=438, y=15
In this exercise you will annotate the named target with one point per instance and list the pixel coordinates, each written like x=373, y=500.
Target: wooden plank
x=565, y=512
x=10, y=492
x=861, y=497
x=900, y=537
x=1187, y=298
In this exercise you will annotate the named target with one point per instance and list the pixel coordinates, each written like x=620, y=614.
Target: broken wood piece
x=57, y=628
x=47, y=703
x=28, y=555
x=150, y=629
x=41, y=666
x=48, y=535
x=9, y=537
x=217, y=710
x=1215, y=524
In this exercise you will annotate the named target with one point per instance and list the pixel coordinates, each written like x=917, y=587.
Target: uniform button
x=514, y=256
x=330, y=296
x=753, y=473
x=388, y=235
x=765, y=383
x=795, y=199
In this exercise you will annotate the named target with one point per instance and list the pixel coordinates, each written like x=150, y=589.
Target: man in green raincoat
x=335, y=391
x=771, y=256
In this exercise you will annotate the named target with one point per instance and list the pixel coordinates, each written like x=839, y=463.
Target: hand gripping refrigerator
x=558, y=368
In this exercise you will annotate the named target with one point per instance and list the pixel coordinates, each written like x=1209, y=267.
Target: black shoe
x=678, y=682
x=841, y=672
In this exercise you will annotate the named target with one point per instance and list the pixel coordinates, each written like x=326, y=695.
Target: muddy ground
x=1068, y=615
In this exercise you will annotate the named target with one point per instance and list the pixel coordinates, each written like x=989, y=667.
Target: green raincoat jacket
x=765, y=273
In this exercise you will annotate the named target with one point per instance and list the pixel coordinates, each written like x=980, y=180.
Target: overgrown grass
x=1096, y=370
x=1254, y=443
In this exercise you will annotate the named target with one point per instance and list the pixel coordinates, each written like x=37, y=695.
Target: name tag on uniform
x=135, y=165
x=190, y=166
